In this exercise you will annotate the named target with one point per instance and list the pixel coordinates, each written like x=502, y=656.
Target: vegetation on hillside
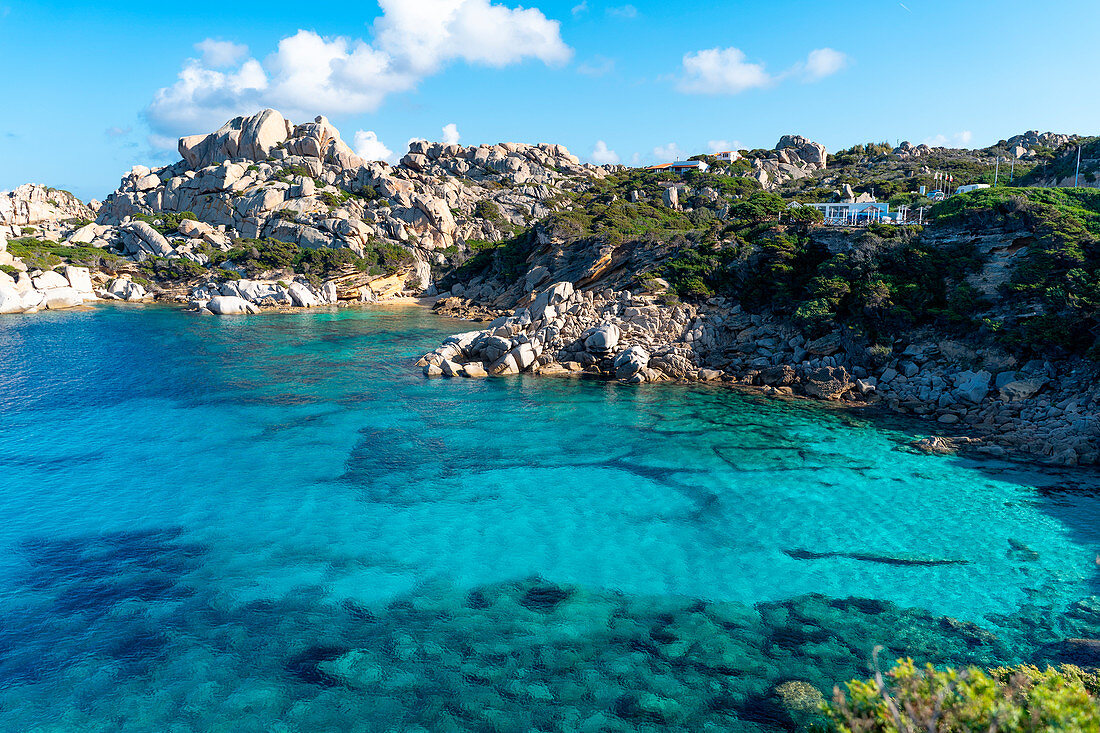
x=908, y=699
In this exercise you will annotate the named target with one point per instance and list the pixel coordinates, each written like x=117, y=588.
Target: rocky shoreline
x=980, y=400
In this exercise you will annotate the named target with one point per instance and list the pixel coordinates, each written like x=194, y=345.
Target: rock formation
x=794, y=157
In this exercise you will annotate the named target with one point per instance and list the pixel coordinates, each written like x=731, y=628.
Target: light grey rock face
x=11, y=300
x=253, y=137
x=603, y=340
x=971, y=386
x=630, y=363
x=802, y=151
x=50, y=279
x=137, y=236
x=61, y=298
x=127, y=290
x=35, y=204
x=551, y=296
x=230, y=305
x=79, y=279
x=302, y=296
x=671, y=197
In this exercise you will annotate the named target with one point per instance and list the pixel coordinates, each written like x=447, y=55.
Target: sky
x=89, y=90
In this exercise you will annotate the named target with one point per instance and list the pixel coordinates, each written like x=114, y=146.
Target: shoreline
x=974, y=401
x=966, y=440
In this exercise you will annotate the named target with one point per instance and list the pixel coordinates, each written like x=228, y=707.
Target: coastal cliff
x=982, y=320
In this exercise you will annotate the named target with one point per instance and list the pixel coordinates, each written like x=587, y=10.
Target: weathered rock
x=630, y=362
x=827, y=383
x=50, y=279
x=230, y=305
x=603, y=340
x=61, y=298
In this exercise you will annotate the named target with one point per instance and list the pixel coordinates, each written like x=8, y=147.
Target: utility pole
x=1077, y=173
x=997, y=172
x=1012, y=170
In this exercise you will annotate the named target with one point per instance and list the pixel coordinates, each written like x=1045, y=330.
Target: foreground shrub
x=1005, y=700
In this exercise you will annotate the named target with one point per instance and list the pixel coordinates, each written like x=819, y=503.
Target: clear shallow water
x=274, y=523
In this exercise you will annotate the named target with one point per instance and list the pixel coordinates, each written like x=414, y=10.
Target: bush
x=1008, y=700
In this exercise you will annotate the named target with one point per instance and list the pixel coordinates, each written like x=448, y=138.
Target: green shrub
x=45, y=254
x=488, y=210
x=27, y=230
x=1008, y=700
x=9, y=270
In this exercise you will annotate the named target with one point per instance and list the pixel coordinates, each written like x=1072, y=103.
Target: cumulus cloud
x=310, y=74
x=450, y=133
x=369, y=147
x=823, y=62
x=670, y=152
x=601, y=155
x=956, y=140
x=217, y=54
x=721, y=71
x=729, y=71
x=718, y=146
x=627, y=12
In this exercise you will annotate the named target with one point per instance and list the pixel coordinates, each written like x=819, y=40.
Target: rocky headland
x=618, y=273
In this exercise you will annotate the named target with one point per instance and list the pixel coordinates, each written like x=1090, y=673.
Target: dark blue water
x=274, y=523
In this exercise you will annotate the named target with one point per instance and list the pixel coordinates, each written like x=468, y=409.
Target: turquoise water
x=275, y=523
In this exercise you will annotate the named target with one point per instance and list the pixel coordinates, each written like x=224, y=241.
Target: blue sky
x=91, y=90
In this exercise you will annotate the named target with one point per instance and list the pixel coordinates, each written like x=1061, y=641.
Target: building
x=728, y=156
x=680, y=166
x=971, y=187
x=853, y=214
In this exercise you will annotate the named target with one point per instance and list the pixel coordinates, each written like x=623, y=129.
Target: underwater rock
x=915, y=560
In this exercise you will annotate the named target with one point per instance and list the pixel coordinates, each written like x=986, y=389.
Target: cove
x=275, y=522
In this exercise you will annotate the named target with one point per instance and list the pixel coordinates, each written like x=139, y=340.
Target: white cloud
x=598, y=66
x=635, y=158
x=823, y=62
x=217, y=54
x=580, y=9
x=601, y=155
x=117, y=131
x=957, y=140
x=717, y=146
x=721, y=71
x=670, y=152
x=369, y=147
x=450, y=133
x=627, y=12
x=728, y=70
x=310, y=74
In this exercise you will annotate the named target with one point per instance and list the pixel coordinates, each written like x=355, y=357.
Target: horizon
x=653, y=84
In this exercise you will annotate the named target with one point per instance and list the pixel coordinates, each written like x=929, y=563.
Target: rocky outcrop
x=29, y=292
x=794, y=157
x=41, y=207
x=263, y=177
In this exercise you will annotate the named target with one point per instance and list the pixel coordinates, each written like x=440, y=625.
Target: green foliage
x=1020, y=700
x=45, y=254
x=488, y=210
x=9, y=270
x=1060, y=275
x=172, y=268
x=258, y=255
x=761, y=206
x=27, y=230
x=169, y=221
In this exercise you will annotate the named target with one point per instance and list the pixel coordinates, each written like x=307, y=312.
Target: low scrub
x=907, y=699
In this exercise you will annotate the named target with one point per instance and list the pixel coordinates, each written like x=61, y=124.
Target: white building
x=728, y=156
